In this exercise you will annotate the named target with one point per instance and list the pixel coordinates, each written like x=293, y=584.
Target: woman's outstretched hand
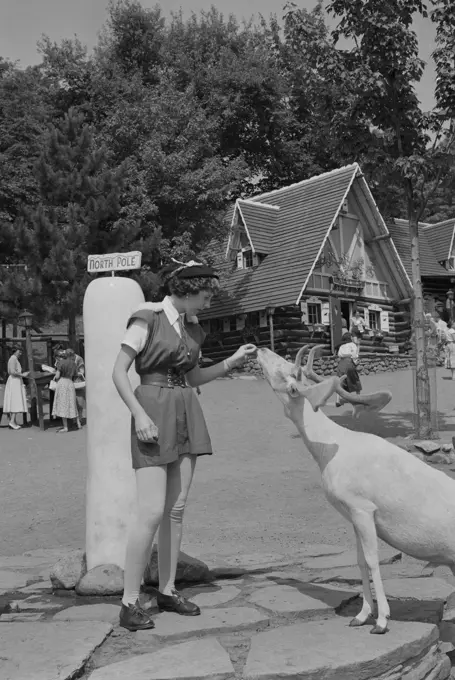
x=146, y=429
x=238, y=359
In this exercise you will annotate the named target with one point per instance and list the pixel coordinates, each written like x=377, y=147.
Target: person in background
x=357, y=326
x=450, y=307
x=79, y=378
x=450, y=350
x=15, y=398
x=65, y=406
x=348, y=354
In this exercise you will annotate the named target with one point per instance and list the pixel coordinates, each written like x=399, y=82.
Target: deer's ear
x=318, y=394
x=371, y=402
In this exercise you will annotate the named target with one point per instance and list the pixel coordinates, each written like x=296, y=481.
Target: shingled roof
x=429, y=266
x=307, y=211
x=440, y=237
x=260, y=221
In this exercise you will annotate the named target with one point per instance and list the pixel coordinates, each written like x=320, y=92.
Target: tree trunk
x=72, y=335
x=423, y=425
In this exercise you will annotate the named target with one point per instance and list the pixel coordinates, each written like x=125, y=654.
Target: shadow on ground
x=400, y=424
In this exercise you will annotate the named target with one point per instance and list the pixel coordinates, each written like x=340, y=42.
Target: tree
x=79, y=213
x=405, y=146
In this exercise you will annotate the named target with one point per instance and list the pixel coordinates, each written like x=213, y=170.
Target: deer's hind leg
x=365, y=528
x=368, y=604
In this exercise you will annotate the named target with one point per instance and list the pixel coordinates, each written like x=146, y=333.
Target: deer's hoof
x=355, y=623
x=379, y=630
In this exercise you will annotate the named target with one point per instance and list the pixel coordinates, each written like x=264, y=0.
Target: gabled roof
x=307, y=212
x=399, y=230
x=259, y=220
x=440, y=237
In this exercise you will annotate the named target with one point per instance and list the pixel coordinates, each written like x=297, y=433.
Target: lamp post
x=270, y=311
x=26, y=320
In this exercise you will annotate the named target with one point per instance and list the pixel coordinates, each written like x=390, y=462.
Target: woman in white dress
x=15, y=399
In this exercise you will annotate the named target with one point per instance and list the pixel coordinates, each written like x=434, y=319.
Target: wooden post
x=272, y=339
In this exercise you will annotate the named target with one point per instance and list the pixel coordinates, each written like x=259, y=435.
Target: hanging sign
x=114, y=262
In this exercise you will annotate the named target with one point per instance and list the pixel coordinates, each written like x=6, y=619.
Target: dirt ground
x=259, y=492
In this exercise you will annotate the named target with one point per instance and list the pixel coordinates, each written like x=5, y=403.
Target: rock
x=21, y=616
x=331, y=649
x=39, y=587
x=221, y=596
x=12, y=580
x=31, y=604
x=189, y=570
x=226, y=572
x=70, y=568
x=48, y=650
x=420, y=599
x=428, y=447
x=440, y=459
x=421, y=456
x=169, y=626
x=348, y=559
x=105, y=579
x=286, y=599
x=447, y=448
x=196, y=660
x=90, y=612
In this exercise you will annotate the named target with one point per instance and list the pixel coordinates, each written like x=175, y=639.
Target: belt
x=169, y=379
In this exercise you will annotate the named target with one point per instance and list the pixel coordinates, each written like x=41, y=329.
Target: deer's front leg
x=365, y=529
x=368, y=604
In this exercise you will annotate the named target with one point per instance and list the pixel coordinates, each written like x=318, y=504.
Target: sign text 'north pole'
x=114, y=262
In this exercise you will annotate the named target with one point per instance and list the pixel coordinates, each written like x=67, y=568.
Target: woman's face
x=18, y=353
x=196, y=303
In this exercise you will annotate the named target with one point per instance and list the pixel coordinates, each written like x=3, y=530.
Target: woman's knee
x=149, y=516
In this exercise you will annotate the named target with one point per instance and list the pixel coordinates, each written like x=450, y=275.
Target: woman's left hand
x=238, y=359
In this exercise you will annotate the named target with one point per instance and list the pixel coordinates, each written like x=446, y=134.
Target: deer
x=383, y=490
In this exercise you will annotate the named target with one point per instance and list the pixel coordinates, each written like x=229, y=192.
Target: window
x=374, y=320
x=247, y=259
x=253, y=319
x=314, y=313
x=375, y=289
x=232, y=323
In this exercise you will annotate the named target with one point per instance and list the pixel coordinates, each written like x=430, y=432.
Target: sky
x=23, y=22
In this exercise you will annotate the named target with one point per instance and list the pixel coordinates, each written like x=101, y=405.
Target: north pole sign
x=114, y=262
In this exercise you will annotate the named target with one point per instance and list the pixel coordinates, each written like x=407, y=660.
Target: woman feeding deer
x=169, y=432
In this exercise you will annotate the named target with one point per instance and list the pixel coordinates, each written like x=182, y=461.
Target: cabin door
x=346, y=313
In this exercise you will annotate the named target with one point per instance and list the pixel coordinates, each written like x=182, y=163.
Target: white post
x=108, y=302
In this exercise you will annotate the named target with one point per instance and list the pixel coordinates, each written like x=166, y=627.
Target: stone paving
x=263, y=617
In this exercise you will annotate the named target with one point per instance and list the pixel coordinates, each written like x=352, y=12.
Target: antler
x=374, y=401
x=299, y=357
x=308, y=370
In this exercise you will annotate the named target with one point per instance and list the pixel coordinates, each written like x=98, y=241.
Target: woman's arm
x=57, y=376
x=146, y=429
x=200, y=376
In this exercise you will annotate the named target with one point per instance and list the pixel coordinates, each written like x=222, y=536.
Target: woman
x=79, y=378
x=15, y=398
x=168, y=428
x=450, y=350
x=357, y=326
x=65, y=406
x=348, y=354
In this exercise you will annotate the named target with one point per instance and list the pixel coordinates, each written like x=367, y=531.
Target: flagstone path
x=264, y=618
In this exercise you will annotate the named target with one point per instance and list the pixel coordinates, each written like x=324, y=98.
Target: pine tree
x=80, y=213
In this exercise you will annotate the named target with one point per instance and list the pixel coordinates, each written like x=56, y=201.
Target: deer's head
x=293, y=383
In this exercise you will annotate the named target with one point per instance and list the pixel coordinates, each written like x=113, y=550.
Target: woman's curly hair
x=193, y=286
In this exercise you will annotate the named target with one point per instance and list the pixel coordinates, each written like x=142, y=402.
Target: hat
x=190, y=270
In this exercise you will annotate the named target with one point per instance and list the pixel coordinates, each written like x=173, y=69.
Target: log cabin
x=300, y=260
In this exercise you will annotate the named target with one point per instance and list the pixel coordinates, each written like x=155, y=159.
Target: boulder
x=106, y=579
x=440, y=459
x=428, y=447
x=189, y=569
x=447, y=448
x=69, y=569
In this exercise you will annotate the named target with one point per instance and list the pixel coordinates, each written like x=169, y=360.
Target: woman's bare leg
x=151, y=496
